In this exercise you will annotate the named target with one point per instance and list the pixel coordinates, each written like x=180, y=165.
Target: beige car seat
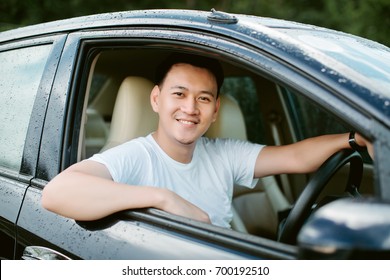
x=254, y=210
x=133, y=115
x=96, y=133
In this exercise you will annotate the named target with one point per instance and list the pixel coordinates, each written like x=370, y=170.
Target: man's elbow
x=49, y=199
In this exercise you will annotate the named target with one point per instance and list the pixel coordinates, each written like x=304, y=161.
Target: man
x=175, y=169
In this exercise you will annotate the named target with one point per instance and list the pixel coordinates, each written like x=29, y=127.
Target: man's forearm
x=86, y=197
x=82, y=196
x=311, y=153
x=304, y=156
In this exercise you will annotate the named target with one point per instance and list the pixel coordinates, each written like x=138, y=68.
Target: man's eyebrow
x=203, y=91
x=179, y=87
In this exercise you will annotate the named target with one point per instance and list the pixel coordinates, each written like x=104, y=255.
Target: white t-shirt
x=207, y=181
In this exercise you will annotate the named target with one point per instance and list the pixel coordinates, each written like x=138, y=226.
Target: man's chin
x=186, y=140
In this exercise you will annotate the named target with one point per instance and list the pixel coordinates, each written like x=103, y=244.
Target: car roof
x=184, y=18
x=356, y=65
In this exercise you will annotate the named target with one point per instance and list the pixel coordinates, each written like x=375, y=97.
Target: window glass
x=310, y=120
x=20, y=74
x=243, y=90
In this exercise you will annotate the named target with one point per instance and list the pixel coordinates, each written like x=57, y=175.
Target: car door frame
x=76, y=239
x=149, y=222
x=15, y=184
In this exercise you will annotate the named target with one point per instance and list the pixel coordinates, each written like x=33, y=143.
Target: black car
x=75, y=87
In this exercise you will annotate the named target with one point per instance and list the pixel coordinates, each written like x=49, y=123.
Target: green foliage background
x=366, y=18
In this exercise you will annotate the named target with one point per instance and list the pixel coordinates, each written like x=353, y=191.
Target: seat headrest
x=230, y=121
x=133, y=115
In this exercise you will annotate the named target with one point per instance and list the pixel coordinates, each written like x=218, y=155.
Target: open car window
x=254, y=107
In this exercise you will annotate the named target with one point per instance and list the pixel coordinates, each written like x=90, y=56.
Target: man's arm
x=86, y=191
x=303, y=157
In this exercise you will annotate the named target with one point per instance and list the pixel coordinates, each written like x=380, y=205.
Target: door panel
x=11, y=197
x=22, y=68
x=117, y=237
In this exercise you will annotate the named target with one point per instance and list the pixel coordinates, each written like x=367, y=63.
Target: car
x=74, y=87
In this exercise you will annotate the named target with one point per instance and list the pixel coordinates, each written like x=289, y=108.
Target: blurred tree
x=366, y=18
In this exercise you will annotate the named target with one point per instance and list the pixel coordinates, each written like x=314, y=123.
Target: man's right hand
x=175, y=204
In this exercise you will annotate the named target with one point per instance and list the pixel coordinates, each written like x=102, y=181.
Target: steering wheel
x=302, y=208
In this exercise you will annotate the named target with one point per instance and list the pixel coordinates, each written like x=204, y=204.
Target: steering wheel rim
x=301, y=210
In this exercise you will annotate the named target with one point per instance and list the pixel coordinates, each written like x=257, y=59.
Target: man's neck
x=174, y=149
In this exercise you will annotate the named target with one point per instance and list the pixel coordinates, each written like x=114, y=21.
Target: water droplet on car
x=341, y=80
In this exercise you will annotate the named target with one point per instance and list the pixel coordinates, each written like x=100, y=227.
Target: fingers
x=361, y=141
x=177, y=205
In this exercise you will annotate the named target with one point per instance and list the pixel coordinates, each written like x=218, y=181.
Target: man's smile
x=188, y=122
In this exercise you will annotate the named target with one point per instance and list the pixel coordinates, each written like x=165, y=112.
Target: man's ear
x=154, y=96
x=217, y=105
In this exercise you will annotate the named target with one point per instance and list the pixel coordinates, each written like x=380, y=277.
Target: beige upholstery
x=230, y=121
x=254, y=210
x=133, y=115
x=96, y=133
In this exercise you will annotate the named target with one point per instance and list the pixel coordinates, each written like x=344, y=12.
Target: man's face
x=186, y=102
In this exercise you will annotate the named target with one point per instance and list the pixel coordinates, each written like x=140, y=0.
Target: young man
x=175, y=169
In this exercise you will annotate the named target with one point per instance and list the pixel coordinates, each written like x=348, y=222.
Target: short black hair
x=210, y=64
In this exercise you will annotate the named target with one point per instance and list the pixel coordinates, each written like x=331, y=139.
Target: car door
x=87, y=58
x=28, y=68
x=25, y=84
x=148, y=234
x=143, y=234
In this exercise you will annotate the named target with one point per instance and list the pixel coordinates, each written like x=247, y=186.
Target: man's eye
x=204, y=98
x=178, y=93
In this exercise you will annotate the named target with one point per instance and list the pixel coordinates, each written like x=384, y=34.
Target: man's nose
x=190, y=106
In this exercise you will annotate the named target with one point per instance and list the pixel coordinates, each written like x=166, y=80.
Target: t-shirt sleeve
x=121, y=166
x=242, y=157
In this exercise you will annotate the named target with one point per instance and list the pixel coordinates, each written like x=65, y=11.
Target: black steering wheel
x=302, y=208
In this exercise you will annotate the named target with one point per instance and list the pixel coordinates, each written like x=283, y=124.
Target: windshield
x=369, y=61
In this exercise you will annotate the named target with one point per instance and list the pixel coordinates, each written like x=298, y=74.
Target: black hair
x=210, y=64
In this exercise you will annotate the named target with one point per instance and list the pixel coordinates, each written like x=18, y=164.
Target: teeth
x=186, y=122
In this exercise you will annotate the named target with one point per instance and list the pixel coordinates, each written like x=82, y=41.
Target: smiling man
x=175, y=169
x=187, y=103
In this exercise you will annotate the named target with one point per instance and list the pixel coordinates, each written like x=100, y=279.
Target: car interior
x=117, y=109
